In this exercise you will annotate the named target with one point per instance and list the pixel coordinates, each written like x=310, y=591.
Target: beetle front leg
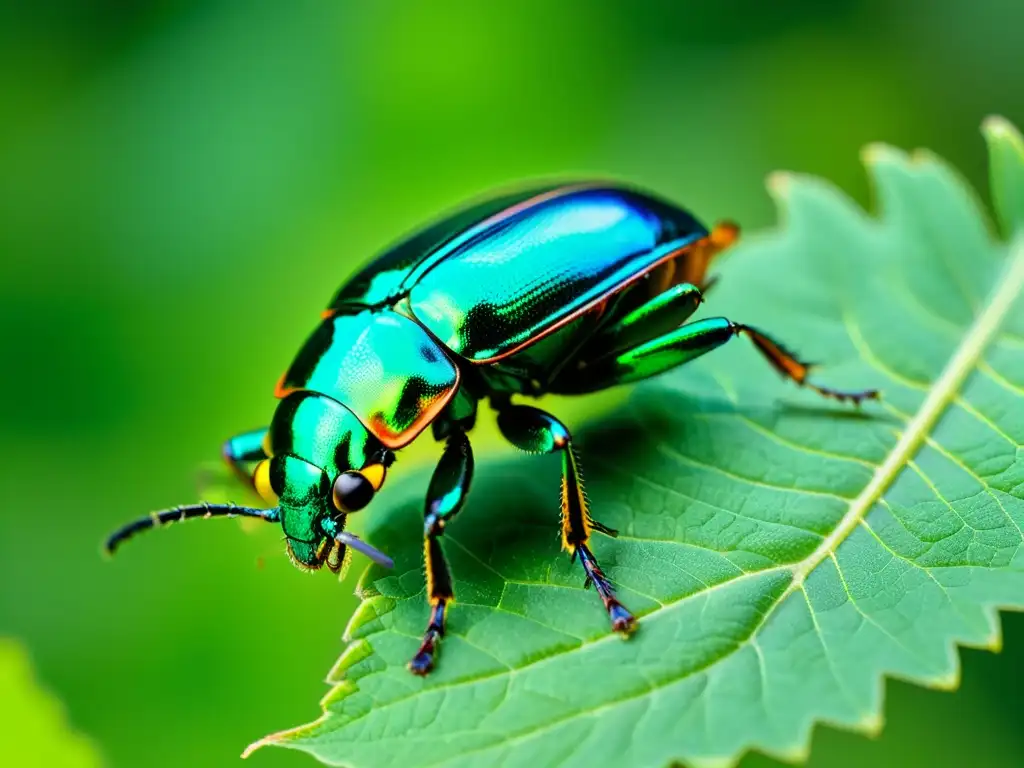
x=243, y=449
x=445, y=497
x=535, y=431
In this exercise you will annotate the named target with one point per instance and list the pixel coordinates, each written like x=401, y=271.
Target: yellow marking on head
x=261, y=479
x=375, y=473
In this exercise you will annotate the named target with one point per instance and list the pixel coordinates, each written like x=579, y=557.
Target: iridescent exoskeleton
x=566, y=290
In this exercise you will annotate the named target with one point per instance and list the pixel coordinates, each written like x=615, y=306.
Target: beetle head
x=323, y=466
x=313, y=509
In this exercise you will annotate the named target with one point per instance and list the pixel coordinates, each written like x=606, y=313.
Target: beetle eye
x=352, y=491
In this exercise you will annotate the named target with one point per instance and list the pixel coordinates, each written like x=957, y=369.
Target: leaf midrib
x=942, y=392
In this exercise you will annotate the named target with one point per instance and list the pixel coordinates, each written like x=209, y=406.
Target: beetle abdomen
x=533, y=270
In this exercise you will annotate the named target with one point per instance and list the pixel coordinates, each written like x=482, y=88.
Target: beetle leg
x=244, y=449
x=658, y=355
x=535, y=431
x=445, y=497
x=449, y=484
x=687, y=266
x=786, y=363
x=657, y=316
x=685, y=344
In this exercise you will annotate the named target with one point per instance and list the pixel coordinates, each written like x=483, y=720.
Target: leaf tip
x=779, y=183
x=877, y=153
x=947, y=681
x=281, y=737
x=368, y=611
x=871, y=724
x=356, y=651
x=998, y=127
x=921, y=156
x=254, y=746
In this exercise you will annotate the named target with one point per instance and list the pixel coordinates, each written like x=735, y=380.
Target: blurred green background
x=184, y=185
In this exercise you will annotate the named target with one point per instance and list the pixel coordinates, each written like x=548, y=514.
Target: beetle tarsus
x=789, y=365
x=852, y=397
x=622, y=620
x=423, y=662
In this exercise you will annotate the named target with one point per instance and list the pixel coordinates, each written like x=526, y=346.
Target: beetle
x=566, y=290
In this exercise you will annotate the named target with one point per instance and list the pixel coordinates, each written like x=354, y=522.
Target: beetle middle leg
x=445, y=497
x=532, y=430
x=655, y=317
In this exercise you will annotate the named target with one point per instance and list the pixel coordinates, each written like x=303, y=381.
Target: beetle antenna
x=180, y=514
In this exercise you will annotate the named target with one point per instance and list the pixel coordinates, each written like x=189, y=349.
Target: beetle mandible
x=564, y=290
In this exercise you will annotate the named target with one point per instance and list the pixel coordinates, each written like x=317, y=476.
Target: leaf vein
x=711, y=468
x=779, y=440
x=998, y=378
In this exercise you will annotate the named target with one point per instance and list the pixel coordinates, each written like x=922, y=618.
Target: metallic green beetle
x=564, y=290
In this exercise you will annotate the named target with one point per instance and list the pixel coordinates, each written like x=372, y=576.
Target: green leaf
x=784, y=553
x=33, y=728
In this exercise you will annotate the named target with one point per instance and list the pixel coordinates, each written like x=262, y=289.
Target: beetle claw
x=422, y=663
x=623, y=621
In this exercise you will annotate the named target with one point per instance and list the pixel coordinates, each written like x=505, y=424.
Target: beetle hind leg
x=686, y=343
x=790, y=366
